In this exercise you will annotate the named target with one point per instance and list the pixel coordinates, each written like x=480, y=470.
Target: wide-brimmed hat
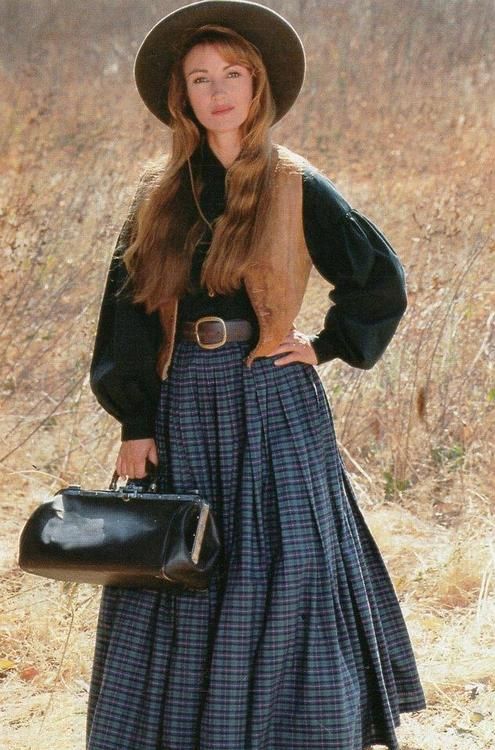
x=277, y=41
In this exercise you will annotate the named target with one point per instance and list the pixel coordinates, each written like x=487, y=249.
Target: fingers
x=132, y=457
x=132, y=469
x=297, y=348
x=292, y=357
x=304, y=357
x=153, y=454
x=293, y=339
x=119, y=464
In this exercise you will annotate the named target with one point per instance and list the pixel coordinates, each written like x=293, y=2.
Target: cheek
x=190, y=96
x=248, y=92
x=196, y=102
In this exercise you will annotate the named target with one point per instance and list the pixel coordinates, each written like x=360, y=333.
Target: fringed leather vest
x=277, y=278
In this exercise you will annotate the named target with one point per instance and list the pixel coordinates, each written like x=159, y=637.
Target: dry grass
x=409, y=141
x=442, y=579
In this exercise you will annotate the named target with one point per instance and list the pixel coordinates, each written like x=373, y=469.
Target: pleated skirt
x=299, y=643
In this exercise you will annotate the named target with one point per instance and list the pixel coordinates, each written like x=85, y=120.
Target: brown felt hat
x=277, y=41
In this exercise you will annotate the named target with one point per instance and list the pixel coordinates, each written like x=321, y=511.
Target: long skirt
x=299, y=642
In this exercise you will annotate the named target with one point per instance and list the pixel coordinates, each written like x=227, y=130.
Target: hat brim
x=278, y=42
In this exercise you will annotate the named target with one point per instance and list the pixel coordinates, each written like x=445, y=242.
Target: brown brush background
x=397, y=109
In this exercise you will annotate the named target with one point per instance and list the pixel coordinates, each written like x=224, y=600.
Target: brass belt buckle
x=208, y=318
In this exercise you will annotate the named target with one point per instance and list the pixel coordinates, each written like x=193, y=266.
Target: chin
x=226, y=127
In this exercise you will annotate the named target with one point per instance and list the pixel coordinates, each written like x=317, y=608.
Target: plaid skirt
x=299, y=643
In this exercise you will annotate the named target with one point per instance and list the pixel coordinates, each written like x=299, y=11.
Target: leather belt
x=211, y=332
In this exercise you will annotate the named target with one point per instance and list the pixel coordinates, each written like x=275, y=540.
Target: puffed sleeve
x=369, y=293
x=123, y=373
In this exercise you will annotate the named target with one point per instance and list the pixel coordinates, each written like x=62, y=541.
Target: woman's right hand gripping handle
x=133, y=457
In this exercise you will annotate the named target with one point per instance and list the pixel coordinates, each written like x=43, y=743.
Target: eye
x=200, y=79
x=234, y=74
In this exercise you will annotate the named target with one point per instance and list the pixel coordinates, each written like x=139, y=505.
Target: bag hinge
x=200, y=532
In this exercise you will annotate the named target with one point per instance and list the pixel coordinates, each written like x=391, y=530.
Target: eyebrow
x=203, y=70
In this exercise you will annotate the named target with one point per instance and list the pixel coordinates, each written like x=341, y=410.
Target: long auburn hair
x=167, y=224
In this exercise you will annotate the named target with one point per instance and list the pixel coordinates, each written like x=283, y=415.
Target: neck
x=225, y=146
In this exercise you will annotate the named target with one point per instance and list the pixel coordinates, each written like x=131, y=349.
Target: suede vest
x=278, y=277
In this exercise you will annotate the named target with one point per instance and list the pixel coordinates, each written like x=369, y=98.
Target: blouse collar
x=213, y=174
x=205, y=157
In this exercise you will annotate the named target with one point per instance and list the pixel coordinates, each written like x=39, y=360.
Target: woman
x=299, y=642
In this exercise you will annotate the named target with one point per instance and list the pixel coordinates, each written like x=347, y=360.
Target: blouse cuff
x=140, y=427
x=323, y=346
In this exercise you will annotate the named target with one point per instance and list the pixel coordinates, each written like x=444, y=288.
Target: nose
x=217, y=88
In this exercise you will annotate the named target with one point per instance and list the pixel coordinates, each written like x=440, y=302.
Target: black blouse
x=368, y=300
x=198, y=303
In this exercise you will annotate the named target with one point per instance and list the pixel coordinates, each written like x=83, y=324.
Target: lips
x=222, y=110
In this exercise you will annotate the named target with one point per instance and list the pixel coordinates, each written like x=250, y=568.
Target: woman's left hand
x=298, y=348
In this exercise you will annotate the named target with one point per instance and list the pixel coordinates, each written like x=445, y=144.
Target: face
x=219, y=91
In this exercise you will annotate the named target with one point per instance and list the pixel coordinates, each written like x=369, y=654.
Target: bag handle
x=146, y=483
